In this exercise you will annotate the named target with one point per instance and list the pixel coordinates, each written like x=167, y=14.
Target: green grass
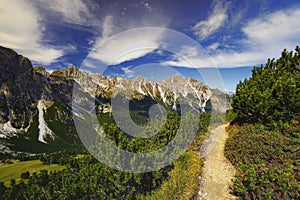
x=183, y=181
x=14, y=171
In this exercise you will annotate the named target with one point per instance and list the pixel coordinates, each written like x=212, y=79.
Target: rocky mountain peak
x=69, y=73
x=13, y=66
x=41, y=70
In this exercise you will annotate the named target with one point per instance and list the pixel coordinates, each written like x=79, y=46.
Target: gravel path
x=217, y=171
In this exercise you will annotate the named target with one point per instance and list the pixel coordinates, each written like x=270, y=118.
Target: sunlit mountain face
x=233, y=36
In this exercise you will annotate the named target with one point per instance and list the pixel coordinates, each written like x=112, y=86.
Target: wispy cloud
x=188, y=51
x=213, y=46
x=264, y=37
x=277, y=30
x=127, y=45
x=215, y=20
x=116, y=42
x=75, y=12
x=21, y=30
x=191, y=57
x=127, y=72
x=24, y=26
x=107, y=27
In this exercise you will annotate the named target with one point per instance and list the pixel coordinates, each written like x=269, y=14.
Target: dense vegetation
x=14, y=169
x=182, y=182
x=267, y=161
x=264, y=143
x=272, y=94
x=86, y=178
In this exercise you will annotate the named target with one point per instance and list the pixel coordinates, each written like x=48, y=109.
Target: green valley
x=15, y=168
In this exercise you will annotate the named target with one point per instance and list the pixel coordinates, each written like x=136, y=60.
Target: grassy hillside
x=14, y=170
x=183, y=180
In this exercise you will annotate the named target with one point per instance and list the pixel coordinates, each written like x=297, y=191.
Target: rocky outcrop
x=23, y=86
x=19, y=89
x=170, y=91
x=220, y=100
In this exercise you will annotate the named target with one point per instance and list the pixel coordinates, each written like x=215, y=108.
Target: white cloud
x=190, y=62
x=188, y=51
x=213, y=46
x=239, y=59
x=21, y=30
x=127, y=45
x=107, y=27
x=191, y=57
x=220, y=59
x=276, y=29
x=114, y=46
x=265, y=37
x=128, y=73
x=75, y=12
x=89, y=64
x=216, y=20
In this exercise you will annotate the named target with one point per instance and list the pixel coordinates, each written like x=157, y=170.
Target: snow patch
x=7, y=130
x=44, y=130
x=5, y=150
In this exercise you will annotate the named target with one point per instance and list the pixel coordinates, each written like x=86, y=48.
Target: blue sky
x=232, y=36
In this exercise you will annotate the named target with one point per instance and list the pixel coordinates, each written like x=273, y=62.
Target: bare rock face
x=41, y=70
x=220, y=101
x=22, y=86
x=170, y=91
x=19, y=88
x=13, y=66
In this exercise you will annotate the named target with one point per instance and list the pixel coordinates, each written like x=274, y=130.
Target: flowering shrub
x=267, y=161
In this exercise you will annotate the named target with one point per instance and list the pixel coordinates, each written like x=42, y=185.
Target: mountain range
x=36, y=105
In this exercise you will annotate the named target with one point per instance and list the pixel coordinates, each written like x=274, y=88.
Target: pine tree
x=272, y=94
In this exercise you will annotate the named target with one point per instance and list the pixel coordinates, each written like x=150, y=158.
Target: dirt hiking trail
x=217, y=171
